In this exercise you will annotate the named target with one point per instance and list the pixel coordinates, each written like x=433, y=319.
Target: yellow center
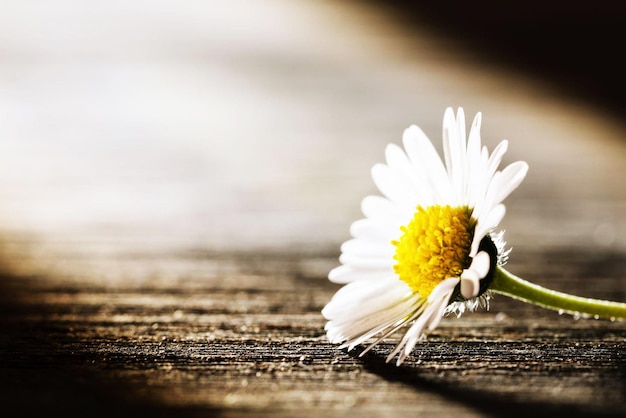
x=434, y=246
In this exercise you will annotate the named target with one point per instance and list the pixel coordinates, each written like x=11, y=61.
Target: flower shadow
x=487, y=402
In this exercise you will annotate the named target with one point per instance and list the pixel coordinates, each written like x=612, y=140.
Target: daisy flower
x=427, y=247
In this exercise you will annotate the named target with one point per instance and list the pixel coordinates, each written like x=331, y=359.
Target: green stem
x=510, y=285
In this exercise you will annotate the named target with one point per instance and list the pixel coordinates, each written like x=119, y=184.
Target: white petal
x=399, y=163
x=414, y=333
x=418, y=146
x=437, y=302
x=496, y=157
x=470, y=284
x=440, y=310
x=506, y=181
x=427, y=164
x=389, y=215
x=361, y=297
x=486, y=223
x=393, y=186
x=475, y=170
x=379, y=321
x=480, y=264
x=460, y=126
x=473, y=142
x=378, y=207
x=480, y=200
x=354, y=319
x=448, y=132
x=378, y=262
x=417, y=309
x=442, y=288
x=368, y=248
x=367, y=228
x=455, y=153
x=347, y=274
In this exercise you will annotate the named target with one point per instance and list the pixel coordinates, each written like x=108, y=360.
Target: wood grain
x=258, y=349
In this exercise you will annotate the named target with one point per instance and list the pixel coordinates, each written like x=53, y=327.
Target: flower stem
x=510, y=285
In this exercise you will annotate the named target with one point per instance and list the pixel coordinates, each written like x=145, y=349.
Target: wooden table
x=175, y=182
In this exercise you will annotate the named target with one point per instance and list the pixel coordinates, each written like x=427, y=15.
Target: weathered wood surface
x=165, y=239
x=246, y=339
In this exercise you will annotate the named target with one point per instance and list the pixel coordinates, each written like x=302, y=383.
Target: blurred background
x=137, y=126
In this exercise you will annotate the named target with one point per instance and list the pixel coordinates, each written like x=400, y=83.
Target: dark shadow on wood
x=484, y=402
x=40, y=376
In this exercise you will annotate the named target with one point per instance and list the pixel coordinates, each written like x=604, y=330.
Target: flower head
x=427, y=244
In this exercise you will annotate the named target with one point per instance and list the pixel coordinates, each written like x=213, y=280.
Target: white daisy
x=426, y=243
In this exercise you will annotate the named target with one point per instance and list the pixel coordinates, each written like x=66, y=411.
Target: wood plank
x=258, y=349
